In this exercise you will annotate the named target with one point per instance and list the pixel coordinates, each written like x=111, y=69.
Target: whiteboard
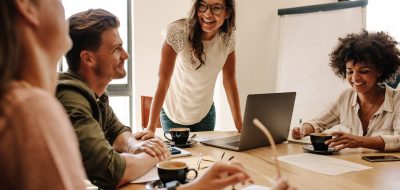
x=305, y=42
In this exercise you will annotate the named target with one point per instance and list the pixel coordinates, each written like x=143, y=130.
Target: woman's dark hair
x=9, y=44
x=377, y=48
x=85, y=30
x=195, y=31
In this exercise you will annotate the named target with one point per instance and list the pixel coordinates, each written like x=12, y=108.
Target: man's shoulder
x=69, y=83
x=74, y=94
x=71, y=80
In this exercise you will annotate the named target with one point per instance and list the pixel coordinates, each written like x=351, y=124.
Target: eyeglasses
x=215, y=9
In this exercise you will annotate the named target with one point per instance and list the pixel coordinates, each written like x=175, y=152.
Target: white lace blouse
x=190, y=95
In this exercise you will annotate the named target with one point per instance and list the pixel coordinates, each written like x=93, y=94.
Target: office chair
x=145, y=102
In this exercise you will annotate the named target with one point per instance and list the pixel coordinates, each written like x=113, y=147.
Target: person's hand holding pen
x=305, y=129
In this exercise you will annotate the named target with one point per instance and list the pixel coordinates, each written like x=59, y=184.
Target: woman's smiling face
x=212, y=15
x=362, y=77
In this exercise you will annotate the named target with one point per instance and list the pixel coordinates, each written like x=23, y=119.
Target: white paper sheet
x=322, y=164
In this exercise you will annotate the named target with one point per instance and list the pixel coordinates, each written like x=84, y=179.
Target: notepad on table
x=322, y=164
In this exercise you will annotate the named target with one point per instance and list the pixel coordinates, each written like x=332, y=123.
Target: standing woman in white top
x=195, y=50
x=368, y=114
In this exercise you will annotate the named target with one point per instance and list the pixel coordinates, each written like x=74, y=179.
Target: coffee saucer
x=157, y=184
x=154, y=185
x=310, y=148
x=188, y=144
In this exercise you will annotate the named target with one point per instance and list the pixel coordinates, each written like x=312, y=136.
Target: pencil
x=199, y=161
x=223, y=154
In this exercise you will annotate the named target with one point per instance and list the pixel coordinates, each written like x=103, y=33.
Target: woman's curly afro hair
x=377, y=48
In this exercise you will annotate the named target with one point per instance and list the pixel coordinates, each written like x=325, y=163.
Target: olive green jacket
x=96, y=127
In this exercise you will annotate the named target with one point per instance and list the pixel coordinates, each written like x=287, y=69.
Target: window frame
x=126, y=89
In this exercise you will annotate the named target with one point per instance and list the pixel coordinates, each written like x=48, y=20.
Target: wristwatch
x=172, y=185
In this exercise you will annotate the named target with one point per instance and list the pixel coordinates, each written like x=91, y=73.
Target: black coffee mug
x=318, y=141
x=174, y=171
x=178, y=135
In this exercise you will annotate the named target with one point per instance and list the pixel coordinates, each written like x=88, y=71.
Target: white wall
x=313, y=80
x=257, y=37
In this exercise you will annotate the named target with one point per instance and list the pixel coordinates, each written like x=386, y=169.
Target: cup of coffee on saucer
x=318, y=141
x=179, y=136
x=169, y=171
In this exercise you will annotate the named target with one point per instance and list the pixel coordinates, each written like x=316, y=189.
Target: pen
x=207, y=160
x=199, y=161
x=204, y=167
x=223, y=154
x=231, y=158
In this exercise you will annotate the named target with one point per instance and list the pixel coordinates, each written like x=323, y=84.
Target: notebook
x=274, y=110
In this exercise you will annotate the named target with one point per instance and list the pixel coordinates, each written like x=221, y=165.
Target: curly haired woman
x=368, y=114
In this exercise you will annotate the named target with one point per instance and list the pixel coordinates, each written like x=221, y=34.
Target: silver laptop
x=274, y=110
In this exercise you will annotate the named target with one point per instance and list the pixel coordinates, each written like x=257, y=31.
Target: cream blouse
x=344, y=113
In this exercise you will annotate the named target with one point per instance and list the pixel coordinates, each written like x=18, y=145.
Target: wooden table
x=259, y=163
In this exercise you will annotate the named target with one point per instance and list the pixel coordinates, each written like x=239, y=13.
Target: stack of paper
x=322, y=164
